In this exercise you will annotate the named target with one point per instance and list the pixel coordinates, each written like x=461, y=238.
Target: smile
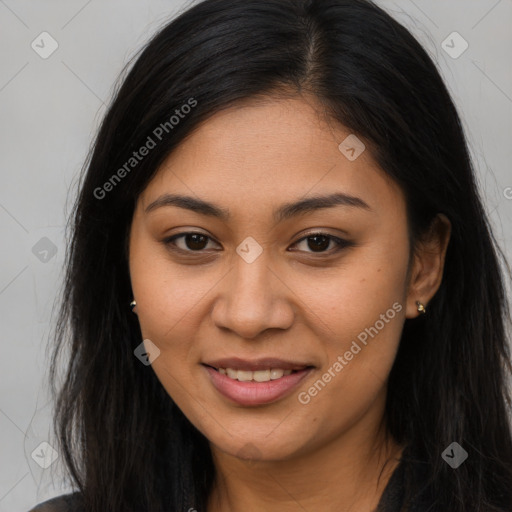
x=259, y=387
x=258, y=376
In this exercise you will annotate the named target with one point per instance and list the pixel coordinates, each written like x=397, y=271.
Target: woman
x=282, y=290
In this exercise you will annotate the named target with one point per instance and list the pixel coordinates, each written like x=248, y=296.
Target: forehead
x=266, y=152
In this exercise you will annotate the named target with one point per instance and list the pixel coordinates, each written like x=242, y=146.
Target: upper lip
x=256, y=364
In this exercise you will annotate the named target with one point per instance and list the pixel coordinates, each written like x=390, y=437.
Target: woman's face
x=250, y=285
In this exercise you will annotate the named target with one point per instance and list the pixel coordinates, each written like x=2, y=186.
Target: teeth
x=244, y=375
x=261, y=375
x=276, y=374
x=258, y=376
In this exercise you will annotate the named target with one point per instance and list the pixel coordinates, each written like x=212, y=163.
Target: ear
x=426, y=272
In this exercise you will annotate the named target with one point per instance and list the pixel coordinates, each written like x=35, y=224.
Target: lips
x=230, y=377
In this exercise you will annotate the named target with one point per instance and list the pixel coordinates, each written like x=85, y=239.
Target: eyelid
x=340, y=242
x=169, y=241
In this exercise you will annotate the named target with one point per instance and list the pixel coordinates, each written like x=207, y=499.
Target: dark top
x=65, y=503
x=392, y=500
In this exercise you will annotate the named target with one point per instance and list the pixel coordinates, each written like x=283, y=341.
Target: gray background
x=50, y=109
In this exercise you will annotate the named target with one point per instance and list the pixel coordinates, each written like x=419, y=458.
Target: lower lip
x=255, y=393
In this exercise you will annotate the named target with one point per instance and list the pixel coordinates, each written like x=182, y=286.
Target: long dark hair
x=126, y=444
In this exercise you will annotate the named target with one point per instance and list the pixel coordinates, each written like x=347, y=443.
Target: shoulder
x=65, y=503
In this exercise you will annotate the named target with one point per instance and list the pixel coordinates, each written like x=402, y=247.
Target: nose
x=253, y=298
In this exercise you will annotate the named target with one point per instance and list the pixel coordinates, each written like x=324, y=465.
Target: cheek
x=354, y=295
x=363, y=307
x=167, y=294
x=165, y=306
x=358, y=361
x=168, y=312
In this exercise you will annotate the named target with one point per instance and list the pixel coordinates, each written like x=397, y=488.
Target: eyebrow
x=282, y=213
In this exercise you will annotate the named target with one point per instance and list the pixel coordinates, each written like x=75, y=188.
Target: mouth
x=256, y=375
x=257, y=383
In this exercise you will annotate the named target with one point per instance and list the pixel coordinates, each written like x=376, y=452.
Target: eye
x=319, y=242
x=192, y=241
x=197, y=242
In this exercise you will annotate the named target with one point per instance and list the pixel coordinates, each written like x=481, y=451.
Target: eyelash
x=341, y=244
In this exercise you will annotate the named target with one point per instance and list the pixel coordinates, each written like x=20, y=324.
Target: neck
x=343, y=475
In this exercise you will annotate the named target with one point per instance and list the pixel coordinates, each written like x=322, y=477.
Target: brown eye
x=192, y=242
x=319, y=242
x=198, y=242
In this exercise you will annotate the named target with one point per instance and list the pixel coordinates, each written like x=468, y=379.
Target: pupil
x=316, y=244
x=193, y=245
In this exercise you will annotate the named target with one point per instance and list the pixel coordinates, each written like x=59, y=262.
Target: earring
x=133, y=304
x=421, y=308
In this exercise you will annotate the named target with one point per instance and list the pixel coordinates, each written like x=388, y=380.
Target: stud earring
x=133, y=304
x=421, y=308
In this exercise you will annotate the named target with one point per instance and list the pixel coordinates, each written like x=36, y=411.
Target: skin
x=294, y=301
